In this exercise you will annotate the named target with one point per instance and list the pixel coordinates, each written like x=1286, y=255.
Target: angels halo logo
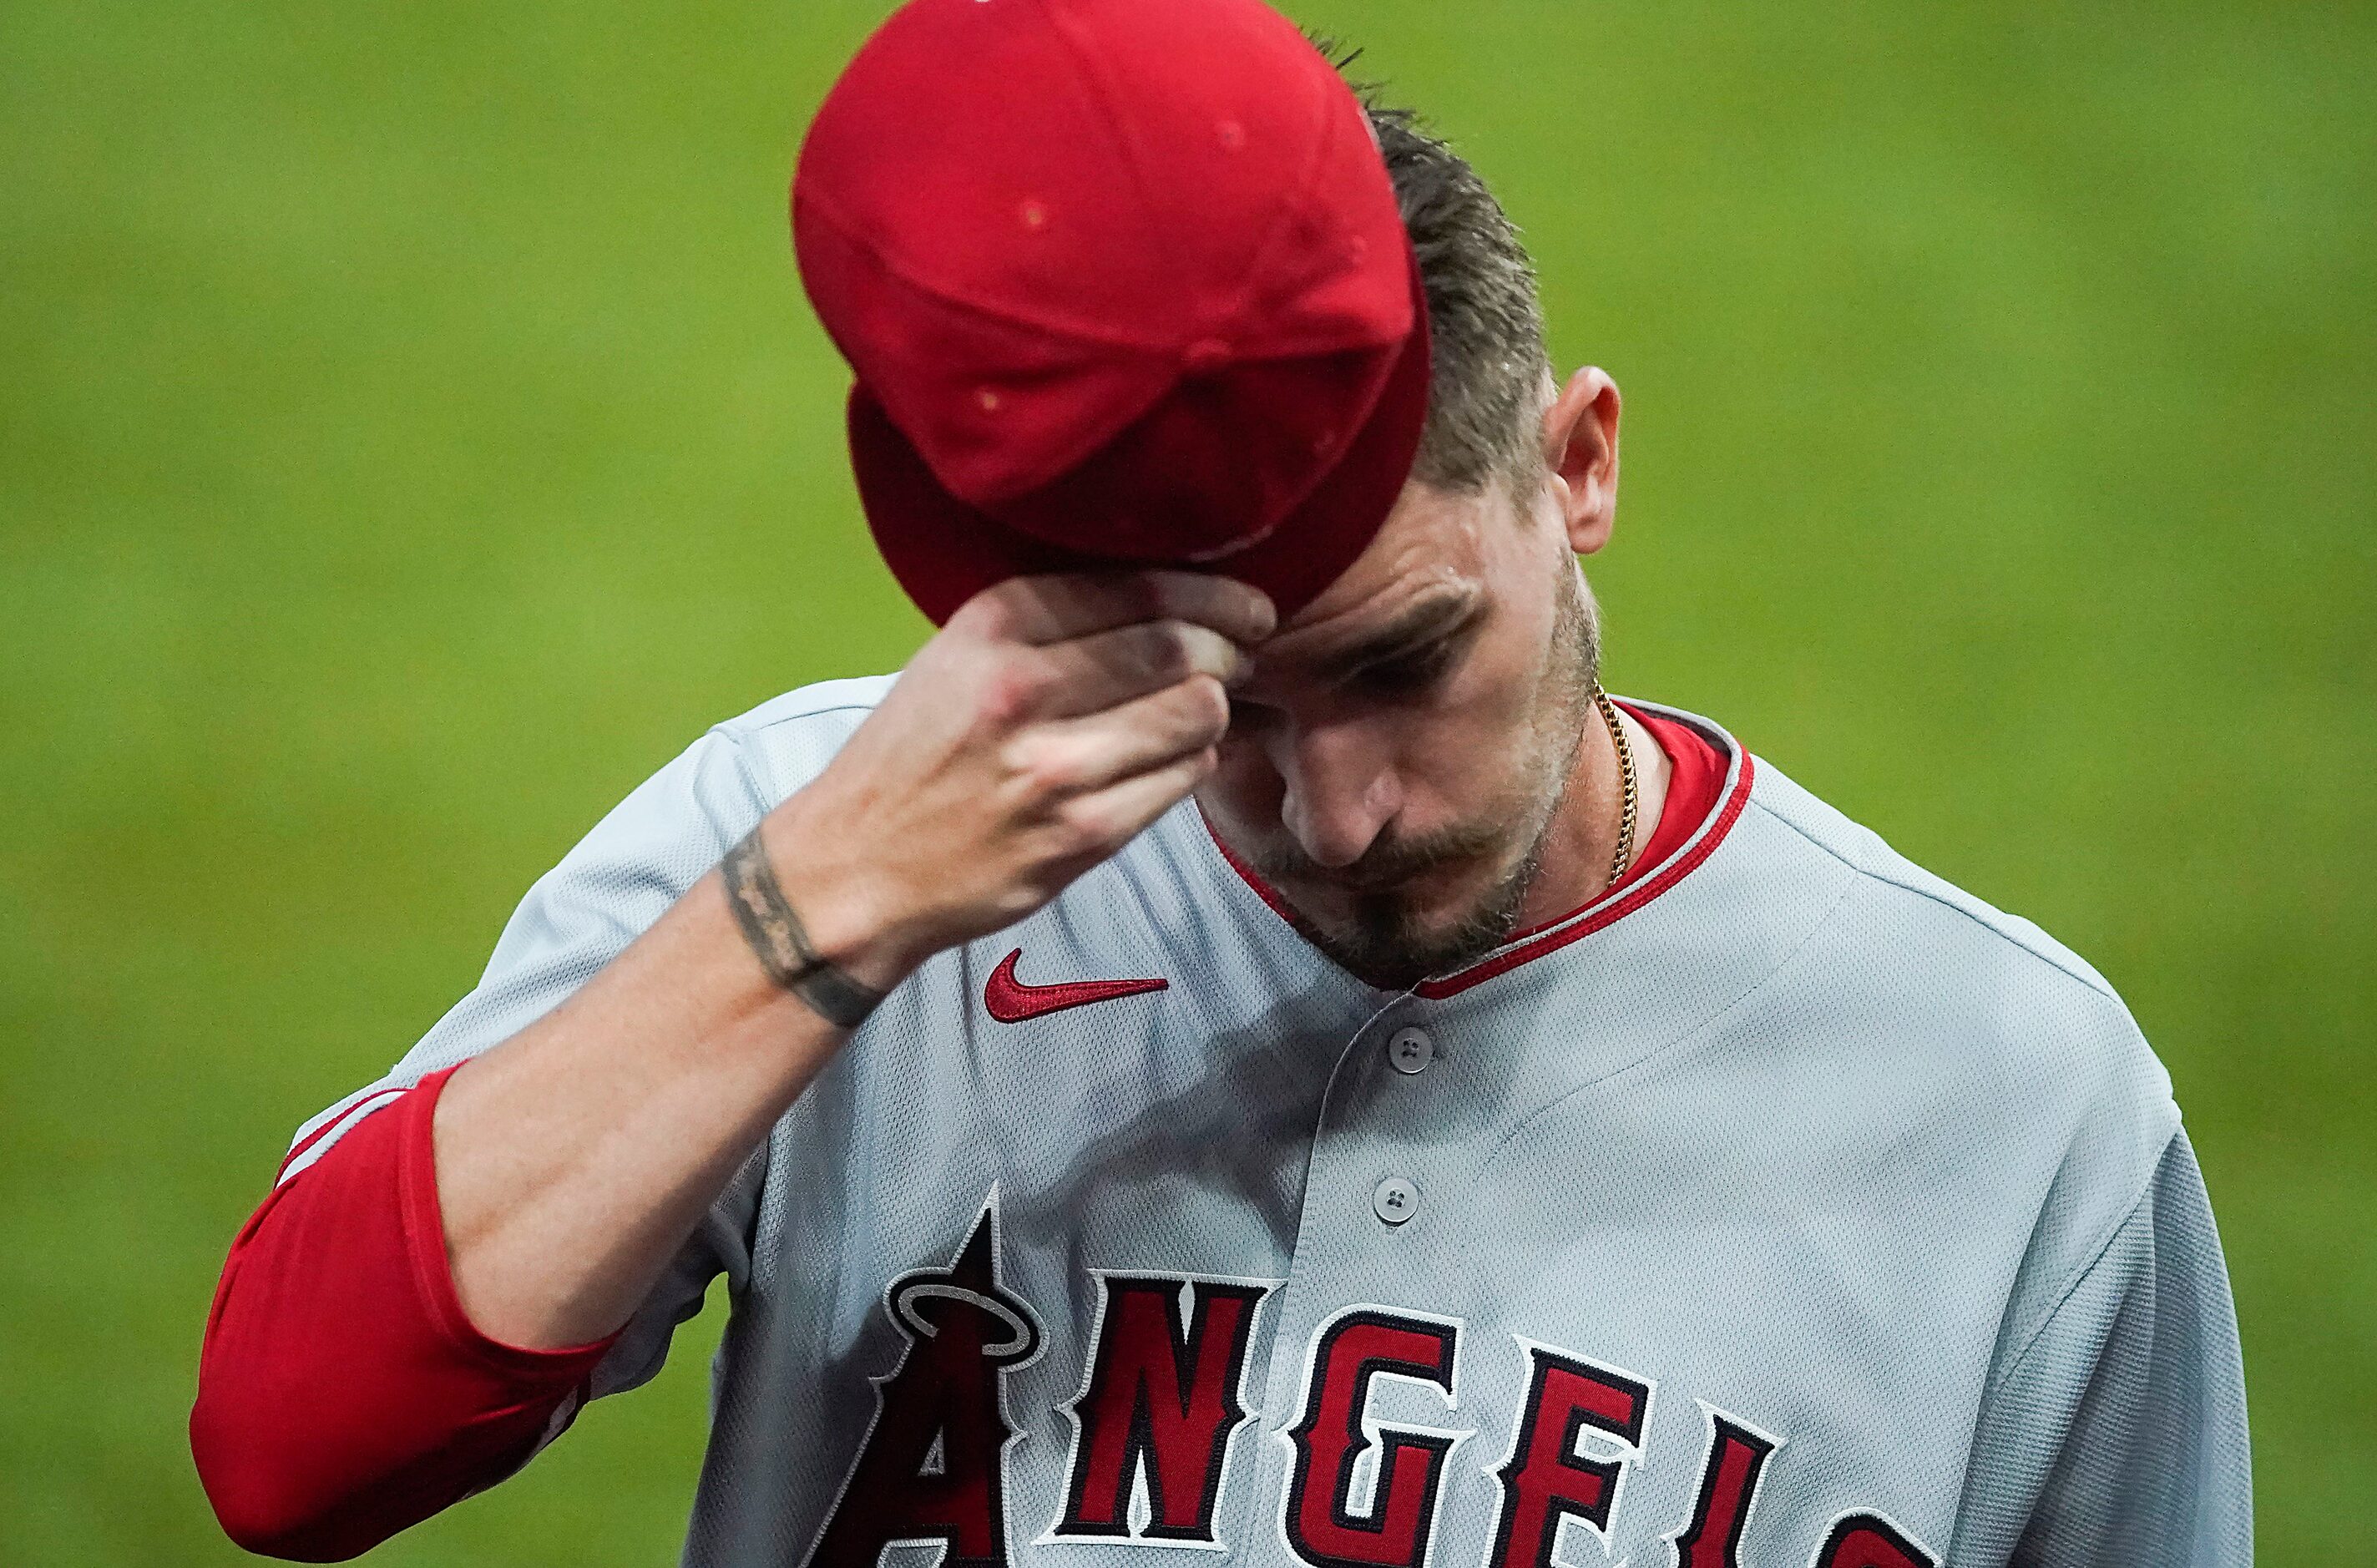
x=929, y=1471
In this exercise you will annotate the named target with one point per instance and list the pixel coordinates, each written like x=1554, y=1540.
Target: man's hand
x=1049, y=722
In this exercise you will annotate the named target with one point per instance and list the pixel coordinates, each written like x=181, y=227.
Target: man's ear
x=1580, y=450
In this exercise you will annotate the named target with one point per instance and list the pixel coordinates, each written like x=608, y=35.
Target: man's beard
x=1383, y=937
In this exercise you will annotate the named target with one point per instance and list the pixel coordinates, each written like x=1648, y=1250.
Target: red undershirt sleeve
x=343, y=1393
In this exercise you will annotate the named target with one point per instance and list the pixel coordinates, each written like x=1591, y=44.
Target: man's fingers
x=1112, y=817
x=1106, y=669
x=1072, y=757
x=1057, y=608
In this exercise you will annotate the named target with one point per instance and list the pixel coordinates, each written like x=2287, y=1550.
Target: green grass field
x=411, y=433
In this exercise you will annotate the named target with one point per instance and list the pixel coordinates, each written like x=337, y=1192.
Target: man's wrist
x=781, y=942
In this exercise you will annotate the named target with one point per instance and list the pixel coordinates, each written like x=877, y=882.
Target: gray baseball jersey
x=1791, y=1207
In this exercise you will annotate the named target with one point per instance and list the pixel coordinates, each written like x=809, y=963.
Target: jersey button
x=1410, y=1050
x=1395, y=1200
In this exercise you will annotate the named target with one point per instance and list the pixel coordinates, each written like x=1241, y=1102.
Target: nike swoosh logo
x=1009, y=1000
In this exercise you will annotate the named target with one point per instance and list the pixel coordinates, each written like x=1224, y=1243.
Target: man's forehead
x=1425, y=567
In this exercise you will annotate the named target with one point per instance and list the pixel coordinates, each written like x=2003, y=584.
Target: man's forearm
x=1050, y=721
x=574, y=1159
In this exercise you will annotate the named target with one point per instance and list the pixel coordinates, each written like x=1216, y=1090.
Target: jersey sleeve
x=2115, y=1433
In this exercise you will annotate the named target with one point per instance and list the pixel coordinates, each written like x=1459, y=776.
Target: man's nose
x=1342, y=792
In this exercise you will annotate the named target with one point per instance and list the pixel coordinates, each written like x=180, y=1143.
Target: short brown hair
x=1485, y=320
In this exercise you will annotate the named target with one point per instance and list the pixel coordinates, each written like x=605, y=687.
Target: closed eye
x=1411, y=672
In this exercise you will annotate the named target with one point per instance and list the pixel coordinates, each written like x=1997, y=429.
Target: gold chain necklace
x=1625, y=855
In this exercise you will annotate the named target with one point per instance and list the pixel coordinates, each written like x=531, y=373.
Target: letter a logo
x=930, y=1471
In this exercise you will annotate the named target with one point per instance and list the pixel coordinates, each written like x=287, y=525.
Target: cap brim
x=944, y=552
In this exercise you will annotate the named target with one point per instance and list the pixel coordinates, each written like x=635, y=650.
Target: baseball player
x=1243, y=1048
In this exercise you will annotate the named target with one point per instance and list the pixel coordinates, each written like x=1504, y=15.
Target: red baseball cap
x=1123, y=283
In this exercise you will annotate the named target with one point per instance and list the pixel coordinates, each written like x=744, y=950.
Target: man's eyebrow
x=1425, y=620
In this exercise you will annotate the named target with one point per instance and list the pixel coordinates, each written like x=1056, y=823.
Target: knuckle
x=1011, y=688
x=1055, y=840
x=1002, y=701
x=1165, y=651
x=1086, y=827
x=1042, y=767
x=990, y=614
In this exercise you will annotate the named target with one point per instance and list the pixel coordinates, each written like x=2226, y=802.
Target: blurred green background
x=411, y=433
